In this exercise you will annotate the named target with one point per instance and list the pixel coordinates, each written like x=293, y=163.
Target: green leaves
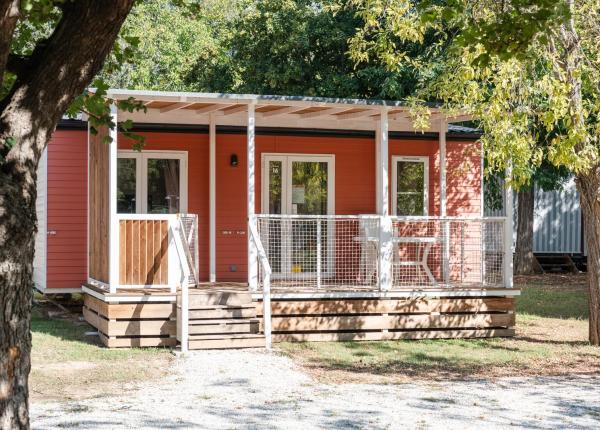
x=514, y=64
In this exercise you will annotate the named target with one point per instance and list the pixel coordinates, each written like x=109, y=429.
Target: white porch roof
x=274, y=111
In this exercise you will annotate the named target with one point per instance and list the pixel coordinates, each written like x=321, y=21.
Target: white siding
x=41, y=204
x=557, y=224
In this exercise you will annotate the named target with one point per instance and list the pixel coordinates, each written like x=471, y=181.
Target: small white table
x=425, y=242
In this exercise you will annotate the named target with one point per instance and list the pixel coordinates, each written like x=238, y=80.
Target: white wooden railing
x=185, y=238
x=266, y=282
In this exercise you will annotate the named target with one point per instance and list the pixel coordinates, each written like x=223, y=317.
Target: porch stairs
x=221, y=319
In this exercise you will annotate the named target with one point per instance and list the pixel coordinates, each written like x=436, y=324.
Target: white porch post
x=443, y=207
x=386, y=246
x=508, y=233
x=252, y=252
x=113, y=225
x=212, y=135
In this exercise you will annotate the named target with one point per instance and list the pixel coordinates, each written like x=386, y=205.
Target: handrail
x=374, y=216
x=188, y=267
x=264, y=261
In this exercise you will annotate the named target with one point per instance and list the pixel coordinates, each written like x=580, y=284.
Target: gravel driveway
x=257, y=390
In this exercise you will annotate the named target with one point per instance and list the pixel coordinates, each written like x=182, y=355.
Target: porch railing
x=374, y=252
x=145, y=255
x=265, y=283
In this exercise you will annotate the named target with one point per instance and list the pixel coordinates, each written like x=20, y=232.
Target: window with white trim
x=152, y=182
x=410, y=183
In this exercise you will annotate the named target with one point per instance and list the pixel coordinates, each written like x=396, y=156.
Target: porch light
x=233, y=160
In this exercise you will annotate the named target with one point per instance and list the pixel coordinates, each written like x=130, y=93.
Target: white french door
x=294, y=184
x=152, y=182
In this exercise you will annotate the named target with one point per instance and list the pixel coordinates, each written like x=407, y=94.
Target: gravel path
x=256, y=390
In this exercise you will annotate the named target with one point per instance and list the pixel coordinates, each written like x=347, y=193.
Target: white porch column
x=443, y=200
x=508, y=233
x=386, y=246
x=252, y=252
x=212, y=216
x=113, y=225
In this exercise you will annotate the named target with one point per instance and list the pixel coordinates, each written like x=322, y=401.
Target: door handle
x=51, y=233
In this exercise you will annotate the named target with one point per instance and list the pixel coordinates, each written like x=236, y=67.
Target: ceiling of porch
x=274, y=111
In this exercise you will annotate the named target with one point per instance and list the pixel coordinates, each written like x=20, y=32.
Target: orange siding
x=463, y=178
x=67, y=209
x=354, y=189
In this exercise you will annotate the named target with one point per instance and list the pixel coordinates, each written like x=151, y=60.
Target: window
x=153, y=182
x=410, y=183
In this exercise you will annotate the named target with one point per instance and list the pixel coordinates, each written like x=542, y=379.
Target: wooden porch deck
x=147, y=317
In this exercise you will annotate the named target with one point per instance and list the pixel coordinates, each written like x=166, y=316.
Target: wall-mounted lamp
x=233, y=160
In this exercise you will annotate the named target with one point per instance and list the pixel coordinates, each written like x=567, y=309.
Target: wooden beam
x=400, y=115
x=212, y=108
x=175, y=106
x=359, y=114
x=459, y=118
x=328, y=111
x=282, y=111
x=236, y=109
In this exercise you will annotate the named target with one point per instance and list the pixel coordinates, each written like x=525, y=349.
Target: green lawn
x=551, y=334
x=68, y=364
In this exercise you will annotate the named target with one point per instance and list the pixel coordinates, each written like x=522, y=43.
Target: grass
x=551, y=339
x=68, y=364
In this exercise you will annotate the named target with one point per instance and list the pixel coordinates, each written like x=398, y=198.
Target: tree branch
x=9, y=15
x=60, y=69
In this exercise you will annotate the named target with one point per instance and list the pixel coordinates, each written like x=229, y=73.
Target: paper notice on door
x=298, y=193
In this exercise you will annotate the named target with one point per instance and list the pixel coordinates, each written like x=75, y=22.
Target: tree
x=512, y=64
x=546, y=177
x=50, y=50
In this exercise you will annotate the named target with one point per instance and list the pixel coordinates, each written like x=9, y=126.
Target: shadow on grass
x=63, y=329
x=542, y=302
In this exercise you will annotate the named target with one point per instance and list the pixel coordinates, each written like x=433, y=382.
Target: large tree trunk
x=17, y=230
x=58, y=71
x=588, y=185
x=525, y=261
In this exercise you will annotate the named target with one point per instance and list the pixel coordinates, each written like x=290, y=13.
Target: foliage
x=267, y=47
x=171, y=41
x=510, y=63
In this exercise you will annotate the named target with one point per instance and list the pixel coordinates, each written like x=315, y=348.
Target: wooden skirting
x=229, y=318
x=391, y=318
x=132, y=324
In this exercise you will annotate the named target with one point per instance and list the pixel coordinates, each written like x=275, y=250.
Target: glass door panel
x=309, y=197
x=163, y=194
x=127, y=185
x=275, y=239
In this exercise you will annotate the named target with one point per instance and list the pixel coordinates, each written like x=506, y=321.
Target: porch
x=312, y=270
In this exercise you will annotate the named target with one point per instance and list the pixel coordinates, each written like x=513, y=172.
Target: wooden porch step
x=226, y=341
x=227, y=312
x=224, y=326
x=199, y=298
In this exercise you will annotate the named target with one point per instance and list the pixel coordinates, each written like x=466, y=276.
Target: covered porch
x=302, y=242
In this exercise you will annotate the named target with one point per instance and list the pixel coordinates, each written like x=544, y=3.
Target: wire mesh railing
x=344, y=252
x=321, y=252
x=448, y=252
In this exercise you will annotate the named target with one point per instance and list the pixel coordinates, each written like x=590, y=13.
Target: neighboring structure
x=557, y=223
x=327, y=218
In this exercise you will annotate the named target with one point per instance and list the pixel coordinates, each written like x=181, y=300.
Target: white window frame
x=286, y=164
x=141, y=175
x=413, y=159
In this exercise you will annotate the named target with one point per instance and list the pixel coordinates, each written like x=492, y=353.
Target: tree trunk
x=588, y=185
x=57, y=72
x=17, y=232
x=525, y=261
